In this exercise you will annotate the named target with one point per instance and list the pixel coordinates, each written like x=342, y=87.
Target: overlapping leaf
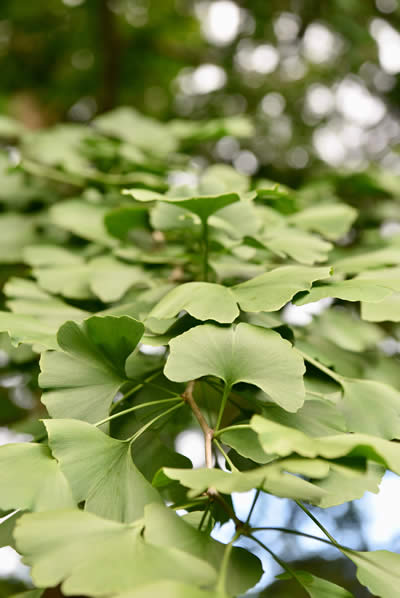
x=90, y=368
x=97, y=557
x=100, y=470
x=31, y=479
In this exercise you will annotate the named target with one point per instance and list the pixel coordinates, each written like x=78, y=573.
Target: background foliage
x=281, y=92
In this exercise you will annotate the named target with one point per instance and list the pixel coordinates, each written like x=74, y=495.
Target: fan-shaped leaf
x=97, y=557
x=100, y=470
x=245, y=353
x=31, y=479
x=89, y=370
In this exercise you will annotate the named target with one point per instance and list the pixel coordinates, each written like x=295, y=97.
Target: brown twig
x=207, y=431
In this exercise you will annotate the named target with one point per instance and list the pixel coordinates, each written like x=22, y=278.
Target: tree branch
x=207, y=431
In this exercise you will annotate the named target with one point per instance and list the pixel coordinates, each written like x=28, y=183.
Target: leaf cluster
x=158, y=298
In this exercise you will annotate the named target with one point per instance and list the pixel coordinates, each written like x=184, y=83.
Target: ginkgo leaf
x=71, y=281
x=330, y=220
x=84, y=219
x=348, y=290
x=202, y=300
x=362, y=407
x=89, y=370
x=28, y=299
x=142, y=131
x=317, y=417
x=36, y=315
x=100, y=470
x=238, y=220
x=378, y=570
x=28, y=330
x=387, y=310
x=388, y=256
x=164, y=528
x=168, y=589
x=347, y=330
x=317, y=587
x=31, y=479
x=300, y=246
x=16, y=232
x=111, y=278
x=347, y=482
x=283, y=441
x=203, y=205
x=272, y=290
x=244, y=353
x=96, y=557
x=271, y=478
x=246, y=443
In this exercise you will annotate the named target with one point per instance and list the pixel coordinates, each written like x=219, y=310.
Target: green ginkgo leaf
x=347, y=330
x=28, y=330
x=244, y=353
x=141, y=131
x=276, y=479
x=169, y=589
x=299, y=245
x=388, y=256
x=100, y=470
x=317, y=587
x=378, y=570
x=28, y=299
x=84, y=219
x=88, y=371
x=349, y=290
x=110, y=278
x=92, y=556
x=31, y=479
x=272, y=290
x=36, y=315
x=203, y=205
x=283, y=441
x=387, y=310
x=164, y=528
x=16, y=232
x=202, y=300
x=362, y=408
x=349, y=481
x=330, y=220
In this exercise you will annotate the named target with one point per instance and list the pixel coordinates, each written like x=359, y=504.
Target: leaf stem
x=218, y=433
x=205, y=250
x=207, y=431
x=135, y=408
x=153, y=421
x=203, y=517
x=134, y=389
x=317, y=523
x=221, y=591
x=227, y=390
x=320, y=366
x=294, y=532
x=225, y=455
x=253, y=504
x=284, y=565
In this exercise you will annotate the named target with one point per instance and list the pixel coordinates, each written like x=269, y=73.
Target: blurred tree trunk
x=110, y=44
